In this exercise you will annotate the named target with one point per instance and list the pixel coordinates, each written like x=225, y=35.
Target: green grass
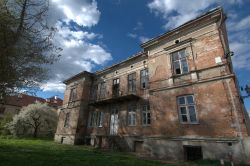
x=31, y=152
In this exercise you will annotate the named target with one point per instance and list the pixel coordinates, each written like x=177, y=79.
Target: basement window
x=192, y=153
x=187, y=109
x=179, y=62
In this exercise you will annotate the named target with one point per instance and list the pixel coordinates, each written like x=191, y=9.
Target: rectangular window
x=179, y=59
x=73, y=95
x=116, y=87
x=144, y=78
x=131, y=83
x=66, y=121
x=132, y=115
x=102, y=90
x=93, y=93
x=96, y=119
x=146, y=116
x=187, y=110
x=100, y=119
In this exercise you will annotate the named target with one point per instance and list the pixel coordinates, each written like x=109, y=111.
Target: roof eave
x=158, y=38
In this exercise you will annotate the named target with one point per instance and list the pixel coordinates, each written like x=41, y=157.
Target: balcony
x=119, y=96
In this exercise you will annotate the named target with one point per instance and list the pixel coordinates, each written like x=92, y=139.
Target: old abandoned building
x=177, y=99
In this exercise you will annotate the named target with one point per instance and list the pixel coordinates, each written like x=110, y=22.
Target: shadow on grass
x=37, y=152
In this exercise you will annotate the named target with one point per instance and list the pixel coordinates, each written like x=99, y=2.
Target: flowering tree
x=36, y=119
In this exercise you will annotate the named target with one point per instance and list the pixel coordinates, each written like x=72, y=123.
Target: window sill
x=179, y=75
x=146, y=125
x=131, y=125
x=189, y=123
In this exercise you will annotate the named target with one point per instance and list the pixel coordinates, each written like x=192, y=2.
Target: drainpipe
x=235, y=112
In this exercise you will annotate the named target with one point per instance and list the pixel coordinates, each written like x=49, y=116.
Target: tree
x=35, y=119
x=26, y=45
x=3, y=121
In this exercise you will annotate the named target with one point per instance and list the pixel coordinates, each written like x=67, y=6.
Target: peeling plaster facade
x=179, y=92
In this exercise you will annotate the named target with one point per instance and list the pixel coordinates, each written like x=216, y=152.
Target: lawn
x=28, y=152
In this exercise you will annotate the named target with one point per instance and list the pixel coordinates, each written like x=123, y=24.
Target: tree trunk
x=35, y=132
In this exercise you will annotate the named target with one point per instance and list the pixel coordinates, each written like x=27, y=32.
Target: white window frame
x=146, y=111
x=96, y=119
x=144, y=78
x=179, y=60
x=132, y=115
x=186, y=105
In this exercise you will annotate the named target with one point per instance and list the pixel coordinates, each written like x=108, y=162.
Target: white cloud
x=138, y=26
x=54, y=86
x=83, y=12
x=241, y=58
x=79, y=52
x=177, y=12
x=132, y=35
x=143, y=39
x=242, y=24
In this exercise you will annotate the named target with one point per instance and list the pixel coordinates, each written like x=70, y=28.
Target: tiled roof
x=21, y=100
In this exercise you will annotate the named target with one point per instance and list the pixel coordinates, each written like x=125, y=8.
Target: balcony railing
x=116, y=96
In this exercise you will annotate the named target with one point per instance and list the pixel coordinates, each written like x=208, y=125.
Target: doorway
x=114, y=121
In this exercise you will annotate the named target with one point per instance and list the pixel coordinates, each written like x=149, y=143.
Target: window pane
x=192, y=113
x=184, y=65
x=129, y=119
x=184, y=118
x=181, y=100
x=183, y=110
x=190, y=100
x=144, y=118
x=133, y=119
x=182, y=53
x=175, y=56
x=177, y=68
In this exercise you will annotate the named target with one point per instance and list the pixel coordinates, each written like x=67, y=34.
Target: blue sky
x=96, y=33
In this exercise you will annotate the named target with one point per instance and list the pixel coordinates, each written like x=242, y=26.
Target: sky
x=95, y=34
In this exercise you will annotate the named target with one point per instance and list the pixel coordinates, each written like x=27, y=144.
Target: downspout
x=235, y=112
